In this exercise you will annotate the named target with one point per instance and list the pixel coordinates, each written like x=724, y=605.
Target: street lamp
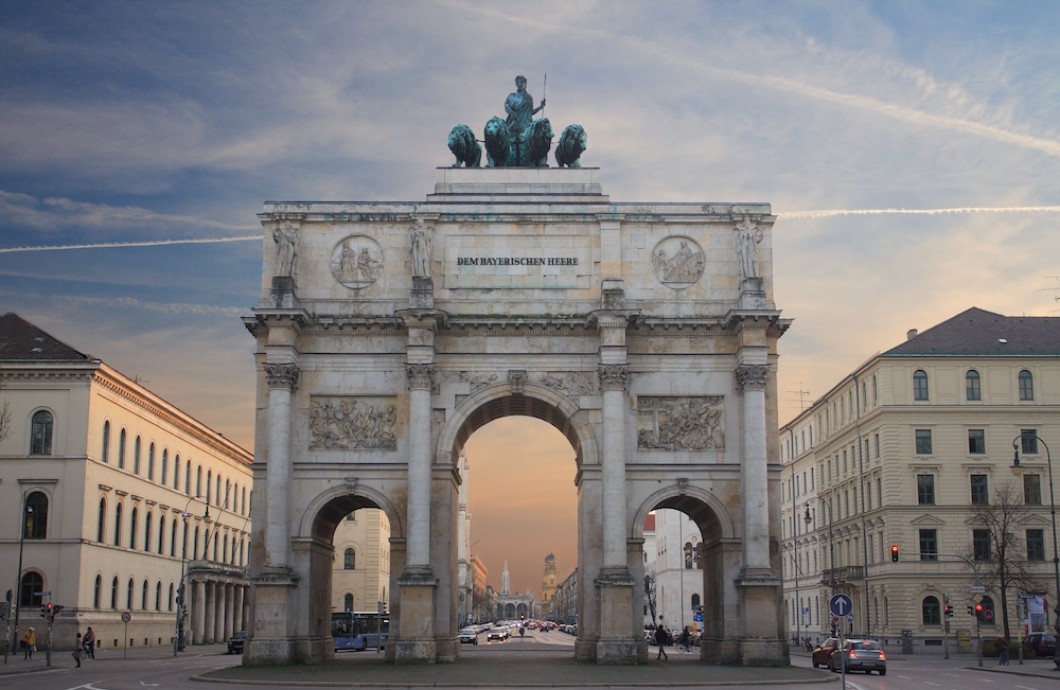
x=831, y=547
x=1017, y=470
x=178, y=637
x=17, y=603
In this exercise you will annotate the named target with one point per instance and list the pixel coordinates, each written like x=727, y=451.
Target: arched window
x=198, y=482
x=151, y=461
x=972, y=385
x=117, y=524
x=36, y=525
x=695, y=602
x=105, y=450
x=102, y=519
x=40, y=433
x=1026, y=381
x=930, y=612
x=148, y=522
x=121, y=449
x=114, y=592
x=920, y=385
x=169, y=601
x=97, y=592
x=187, y=477
x=209, y=483
x=132, y=527
x=30, y=589
x=988, y=605
x=158, y=596
x=689, y=556
x=136, y=455
x=218, y=498
x=161, y=534
x=228, y=488
x=173, y=537
x=215, y=550
x=195, y=545
x=349, y=560
x=129, y=594
x=347, y=601
x=164, y=479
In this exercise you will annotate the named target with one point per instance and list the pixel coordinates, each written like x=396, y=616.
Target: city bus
x=359, y=630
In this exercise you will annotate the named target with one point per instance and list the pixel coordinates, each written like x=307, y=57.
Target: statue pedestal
x=761, y=643
x=272, y=595
x=616, y=644
x=283, y=292
x=753, y=295
x=422, y=295
x=415, y=641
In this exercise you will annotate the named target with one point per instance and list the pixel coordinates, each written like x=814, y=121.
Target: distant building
x=362, y=562
x=910, y=450
x=549, y=583
x=510, y=606
x=116, y=498
x=678, y=570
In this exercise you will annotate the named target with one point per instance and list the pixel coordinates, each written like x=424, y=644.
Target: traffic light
x=947, y=611
x=978, y=610
x=971, y=610
x=895, y=552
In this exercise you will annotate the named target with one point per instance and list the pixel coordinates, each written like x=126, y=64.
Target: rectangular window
x=1032, y=489
x=923, y=441
x=976, y=441
x=980, y=490
x=929, y=545
x=1029, y=441
x=925, y=489
x=1035, y=545
x=981, y=544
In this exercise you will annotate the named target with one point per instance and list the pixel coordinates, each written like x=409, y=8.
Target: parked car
x=237, y=642
x=468, y=636
x=1039, y=644
x=859, y=655
x=500, y=633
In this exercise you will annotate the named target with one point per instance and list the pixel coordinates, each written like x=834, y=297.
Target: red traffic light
x=978, y=608
x=895, y=552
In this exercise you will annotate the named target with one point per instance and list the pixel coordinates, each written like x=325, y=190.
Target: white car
x=468, y=636
x=501, y=634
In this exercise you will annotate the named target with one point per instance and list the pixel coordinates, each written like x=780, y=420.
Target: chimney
x=910, y=334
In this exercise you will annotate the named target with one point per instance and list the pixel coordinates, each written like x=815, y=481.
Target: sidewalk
x=62, y=659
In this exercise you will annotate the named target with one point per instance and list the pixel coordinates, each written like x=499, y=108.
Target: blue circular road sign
x=841, y=605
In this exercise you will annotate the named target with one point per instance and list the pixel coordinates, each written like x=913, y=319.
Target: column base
x=616, y=644
x=415, y=640
x=270, y=642
x=761, y=643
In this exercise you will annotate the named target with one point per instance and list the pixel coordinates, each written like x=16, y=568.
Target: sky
x=910, y=150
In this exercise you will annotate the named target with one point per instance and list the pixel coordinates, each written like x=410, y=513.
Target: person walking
x=662, y=638
x=686, y=639
x=90, y=643
x=1001, y=648
x=29, y=641
x=78, y=648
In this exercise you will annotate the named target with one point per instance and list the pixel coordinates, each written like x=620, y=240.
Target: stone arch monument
x=387, y=332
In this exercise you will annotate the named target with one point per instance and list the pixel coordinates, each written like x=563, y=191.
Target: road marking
x=88, y=686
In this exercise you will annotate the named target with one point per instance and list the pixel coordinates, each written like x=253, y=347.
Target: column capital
x=752, y=376
x=420, y=376
x=283, y=375
x=613, y=377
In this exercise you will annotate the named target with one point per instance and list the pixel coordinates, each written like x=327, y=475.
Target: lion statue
x=572, y=144
x=498, y=144
x=463, y=145
x=538, y=142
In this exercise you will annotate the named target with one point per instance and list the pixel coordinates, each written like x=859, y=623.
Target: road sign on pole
x=840, y=605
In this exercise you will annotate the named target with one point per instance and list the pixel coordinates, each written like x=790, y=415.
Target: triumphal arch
x=388, y=332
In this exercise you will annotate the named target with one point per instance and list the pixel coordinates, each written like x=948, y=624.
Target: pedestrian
x=29, y=643
x=78, y=649
x=686, y=638
x=661, y=638
x=90, y=643
x=1001, y=647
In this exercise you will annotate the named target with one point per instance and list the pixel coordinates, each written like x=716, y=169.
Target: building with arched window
x=898, y=489
x=362, y=561
x=86, y=518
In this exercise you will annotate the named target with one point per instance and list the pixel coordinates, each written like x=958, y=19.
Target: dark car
x=859, y=655
x=236, y=642
x=823, y=651
x=1039, y=644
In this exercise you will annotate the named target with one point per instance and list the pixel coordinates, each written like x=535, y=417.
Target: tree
x=1003, y=561
x=649, y=592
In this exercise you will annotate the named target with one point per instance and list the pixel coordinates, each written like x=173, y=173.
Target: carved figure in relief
x=748, y=235
x=685, y=266
x=420, y=249
x=286, y=239
x=691, y=424
x=351, y=424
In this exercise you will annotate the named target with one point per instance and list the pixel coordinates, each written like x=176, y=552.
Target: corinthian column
x=281, y=379
x=419, y=490
x=753, y=470
x=613, y=379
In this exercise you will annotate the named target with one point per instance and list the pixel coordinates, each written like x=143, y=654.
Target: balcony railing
x=846, y=573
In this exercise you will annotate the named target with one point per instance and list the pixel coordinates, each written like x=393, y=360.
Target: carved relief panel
x=347, y=423
x=681, y=423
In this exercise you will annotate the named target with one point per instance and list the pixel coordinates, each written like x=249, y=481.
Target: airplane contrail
x=118, y=245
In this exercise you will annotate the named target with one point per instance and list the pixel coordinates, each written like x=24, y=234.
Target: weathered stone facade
x=390, y=331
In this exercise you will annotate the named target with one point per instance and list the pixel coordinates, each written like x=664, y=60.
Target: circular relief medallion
x=356, y=261
x=678, y=261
